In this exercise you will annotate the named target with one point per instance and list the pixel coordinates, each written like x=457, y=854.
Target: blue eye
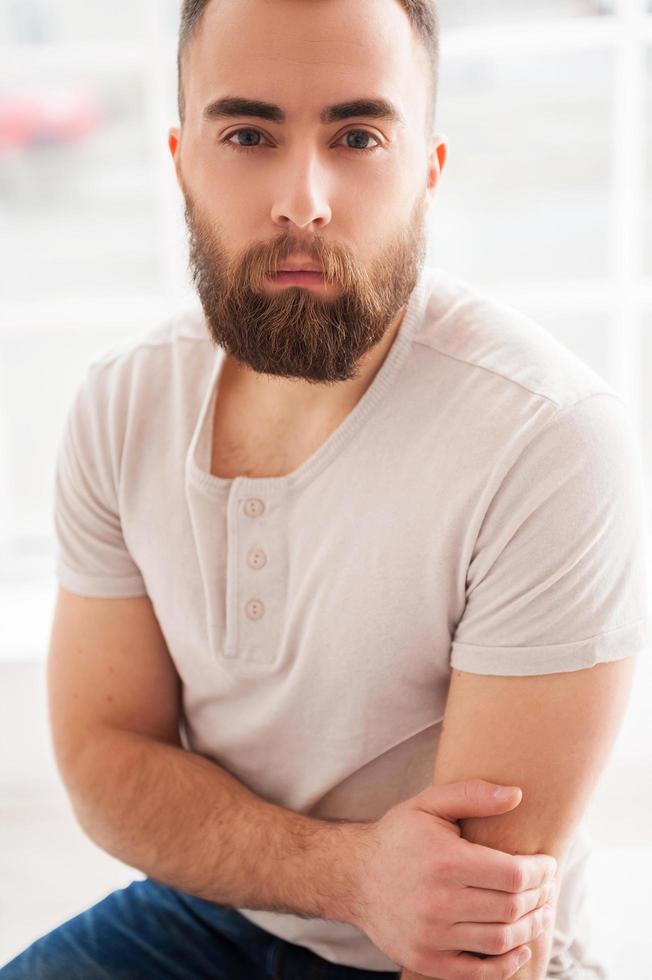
x=236, y=146
x=351, y=132
x=362, y=132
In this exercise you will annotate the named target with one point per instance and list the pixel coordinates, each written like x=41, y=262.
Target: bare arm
x=114, y=706
x=551, y=735
x=185, y=821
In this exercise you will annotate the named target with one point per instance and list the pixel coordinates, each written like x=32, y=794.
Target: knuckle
x=538, y=923
x=444, y=867
x=518, y=878
x=423, y=940
x=429, y=932
x=472, y=790
x=420, y=962
x=444, y=899
x=501, y=940
x=513, y=910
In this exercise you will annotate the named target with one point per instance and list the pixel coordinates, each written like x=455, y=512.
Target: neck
x=287, y=399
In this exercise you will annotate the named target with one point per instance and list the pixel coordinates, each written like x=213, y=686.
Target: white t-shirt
x=481, y=507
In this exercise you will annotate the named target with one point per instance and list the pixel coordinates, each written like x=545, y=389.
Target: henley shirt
x=481, y=507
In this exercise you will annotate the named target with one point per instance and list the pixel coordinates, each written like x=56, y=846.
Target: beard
x=297, y=332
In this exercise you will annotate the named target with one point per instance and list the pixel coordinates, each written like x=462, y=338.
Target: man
x=373, y=540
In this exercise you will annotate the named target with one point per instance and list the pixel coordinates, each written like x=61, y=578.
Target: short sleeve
x=91, y=557
x=558, y=579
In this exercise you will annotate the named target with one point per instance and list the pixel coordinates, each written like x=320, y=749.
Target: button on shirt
x=254, y=507
x=314, y=618
x=256, y=558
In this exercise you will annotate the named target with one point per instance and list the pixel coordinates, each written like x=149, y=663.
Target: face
x=347, y=195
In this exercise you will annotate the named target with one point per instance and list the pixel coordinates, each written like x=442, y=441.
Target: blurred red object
x=34, y=117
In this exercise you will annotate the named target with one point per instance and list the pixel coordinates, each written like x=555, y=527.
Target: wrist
x=337, y=870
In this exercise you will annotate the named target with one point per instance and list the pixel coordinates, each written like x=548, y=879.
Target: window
x=546, y=200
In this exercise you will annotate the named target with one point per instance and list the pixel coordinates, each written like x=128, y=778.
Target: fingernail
x=503, y=793
x=524, y=956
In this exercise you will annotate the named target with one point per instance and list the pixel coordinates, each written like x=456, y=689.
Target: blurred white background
x=545, y=201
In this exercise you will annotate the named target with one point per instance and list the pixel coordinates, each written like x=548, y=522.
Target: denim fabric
x=148, y=931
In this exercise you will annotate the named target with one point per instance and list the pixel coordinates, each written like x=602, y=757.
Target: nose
x=301, y=198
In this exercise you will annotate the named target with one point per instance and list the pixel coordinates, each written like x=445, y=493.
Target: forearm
x=182, y=819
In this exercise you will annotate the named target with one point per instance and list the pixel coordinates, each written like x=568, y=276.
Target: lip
x=301, y=277
x=300, y=264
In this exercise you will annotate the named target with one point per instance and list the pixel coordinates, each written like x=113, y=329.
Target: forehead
x=304, y=54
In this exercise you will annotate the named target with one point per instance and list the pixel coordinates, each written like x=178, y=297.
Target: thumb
x=469, y=798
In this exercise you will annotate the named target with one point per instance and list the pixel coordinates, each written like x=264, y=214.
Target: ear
x=174, y=142
x=436, y=161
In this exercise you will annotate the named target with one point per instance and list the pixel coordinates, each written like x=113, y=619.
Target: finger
x=485, y=905
x=486, y=867
x=499, y=937
x=458, y=966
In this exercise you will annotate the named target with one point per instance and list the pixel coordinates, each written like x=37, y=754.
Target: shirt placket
x=256, y=571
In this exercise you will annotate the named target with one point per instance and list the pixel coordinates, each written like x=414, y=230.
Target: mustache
x=263, y=259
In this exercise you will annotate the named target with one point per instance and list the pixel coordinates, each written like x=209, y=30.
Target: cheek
x=222, y=196
x=378, y=200
x=379, y=191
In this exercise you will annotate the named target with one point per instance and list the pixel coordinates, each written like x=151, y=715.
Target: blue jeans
x=149, y=931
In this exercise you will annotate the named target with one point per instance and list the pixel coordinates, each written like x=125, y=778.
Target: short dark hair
x=423, y=15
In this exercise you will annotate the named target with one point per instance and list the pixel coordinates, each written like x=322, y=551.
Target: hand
x=429, y=899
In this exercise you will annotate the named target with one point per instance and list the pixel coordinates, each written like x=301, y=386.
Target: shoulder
x=171, y=357
x=498, y=349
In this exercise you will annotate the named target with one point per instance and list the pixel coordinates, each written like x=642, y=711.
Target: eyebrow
x=234, y=105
